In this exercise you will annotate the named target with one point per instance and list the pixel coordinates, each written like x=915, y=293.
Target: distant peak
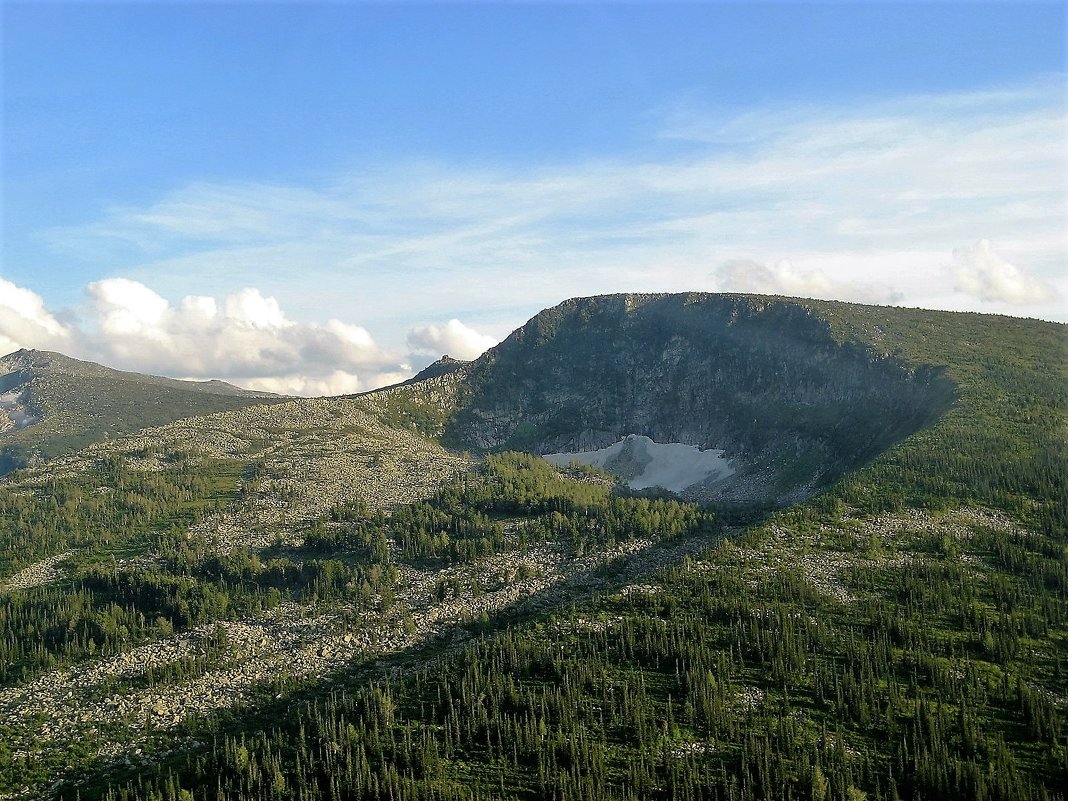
x=26, y=358
x=443, y=366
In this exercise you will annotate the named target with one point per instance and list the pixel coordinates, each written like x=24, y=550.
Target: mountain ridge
x=51, y=403
x=295, y=589
x=32, y=359
x=755, y=376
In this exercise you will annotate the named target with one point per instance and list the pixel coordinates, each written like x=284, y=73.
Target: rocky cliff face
x=761, y=378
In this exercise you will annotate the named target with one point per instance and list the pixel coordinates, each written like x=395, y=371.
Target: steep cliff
x=761, y=378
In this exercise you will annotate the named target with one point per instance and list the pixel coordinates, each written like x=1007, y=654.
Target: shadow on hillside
x=279, y=709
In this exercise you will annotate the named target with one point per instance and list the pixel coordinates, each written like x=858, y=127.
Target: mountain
x=52, y=404
x=378, y=596
x=762, y=379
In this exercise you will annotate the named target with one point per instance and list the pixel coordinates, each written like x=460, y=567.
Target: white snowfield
x=14, y=415
x=642, y=463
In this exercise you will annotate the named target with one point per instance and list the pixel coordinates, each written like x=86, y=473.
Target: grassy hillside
x=523, y=632
x=76, y=403
x=1004, y=443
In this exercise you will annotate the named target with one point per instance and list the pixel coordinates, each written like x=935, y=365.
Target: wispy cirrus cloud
x=866, y=202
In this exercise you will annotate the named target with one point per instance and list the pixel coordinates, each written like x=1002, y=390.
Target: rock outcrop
x=761, y=378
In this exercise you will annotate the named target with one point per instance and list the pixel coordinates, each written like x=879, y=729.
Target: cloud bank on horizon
x=246, y=339
x=353, y=271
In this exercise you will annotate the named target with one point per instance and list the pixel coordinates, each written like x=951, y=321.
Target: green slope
x=76, y=403
x=901, y=634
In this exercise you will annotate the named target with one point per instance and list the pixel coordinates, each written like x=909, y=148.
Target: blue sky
x=320, y=197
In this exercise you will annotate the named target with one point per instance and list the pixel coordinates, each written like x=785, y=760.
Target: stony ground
x=235, y=660
x=319, y=453
x=297, y=641
x=822, y=557
x=43, y=572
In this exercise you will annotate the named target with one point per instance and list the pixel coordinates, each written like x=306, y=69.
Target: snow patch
x=13, y=408
x=642, y=463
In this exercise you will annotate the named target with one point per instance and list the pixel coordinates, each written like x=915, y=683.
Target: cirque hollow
x=761, y=378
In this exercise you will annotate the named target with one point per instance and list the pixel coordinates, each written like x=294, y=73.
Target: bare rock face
x=761, y=378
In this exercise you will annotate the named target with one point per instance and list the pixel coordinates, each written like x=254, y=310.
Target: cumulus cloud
x=246, y=339
x=980, y=271
x=249, y=306
x=337, y=382
x=198, y=305
x=743, y=275
x=128, y=309
x=454, y=339
x=26, y=323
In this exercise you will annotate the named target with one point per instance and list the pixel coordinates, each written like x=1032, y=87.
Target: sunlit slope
x=1003, y=443
x=52, y=404
x=293, y=461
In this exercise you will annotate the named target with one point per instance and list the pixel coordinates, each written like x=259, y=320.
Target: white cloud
x=782, y=279
x=453, y=339
x=127, y=308
x=336, y=383
x=354, y=335
x=742, y=275
x=249, y=306
x=26, y=323
x=856, y=197
x=981, y=272
x=199, y=306
x=246, y=339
